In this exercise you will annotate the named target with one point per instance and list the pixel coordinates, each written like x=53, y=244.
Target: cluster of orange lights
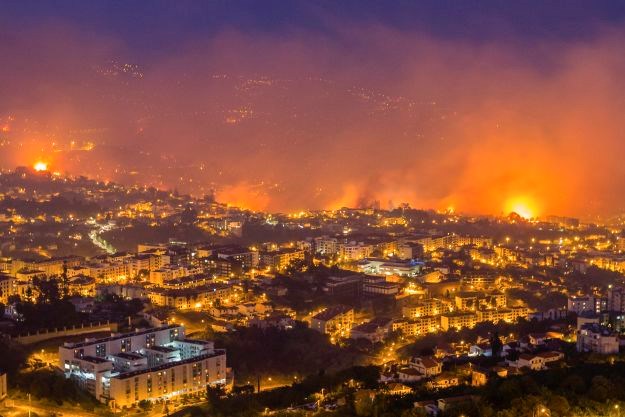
x=523, y=206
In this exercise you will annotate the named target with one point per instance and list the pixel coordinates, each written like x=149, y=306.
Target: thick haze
x=318, y=110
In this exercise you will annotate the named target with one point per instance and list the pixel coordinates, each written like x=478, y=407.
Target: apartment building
x=335, y=321
x=151, y=364
x=458, y=320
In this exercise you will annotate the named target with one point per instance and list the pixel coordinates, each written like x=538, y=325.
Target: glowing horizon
x=353, y=123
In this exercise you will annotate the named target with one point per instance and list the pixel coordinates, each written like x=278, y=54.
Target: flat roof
x=193, y=341
x=120, y=336
x=130, y=374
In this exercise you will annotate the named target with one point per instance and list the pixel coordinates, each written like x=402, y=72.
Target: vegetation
x=426, y=344
x=49, y=385
x=11, y=357
x=578, y=391
x=305, y=392
x=44, y=307
x=300, y=351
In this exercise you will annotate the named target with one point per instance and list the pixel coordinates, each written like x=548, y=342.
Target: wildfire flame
x=40, y=166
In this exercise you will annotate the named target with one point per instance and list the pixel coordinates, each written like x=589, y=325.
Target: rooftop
x=119, y=336
x=165, y=366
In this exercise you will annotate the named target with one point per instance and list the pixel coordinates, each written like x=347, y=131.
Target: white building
x=150, y=364
x=593, y=338
x=354, y=251
x=326, y=245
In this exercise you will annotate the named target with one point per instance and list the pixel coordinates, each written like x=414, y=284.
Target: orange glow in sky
x=40, y=166
x=522, y=206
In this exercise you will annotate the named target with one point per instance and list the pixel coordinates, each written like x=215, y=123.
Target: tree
x=496, y=345
x=145, y=405
x=559, y=406
x=600, y=388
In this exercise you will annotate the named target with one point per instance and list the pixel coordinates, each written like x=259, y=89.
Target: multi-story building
x=281, y=259
x=348, y=286
x=190, y=281
x=109, y=272
x=385, y=267
x=146, y=262
x=6, y=288
x=484, y=255
x=326, y=245
x=354, y=251
x=335, y=321
x=458, y=320
x=473, y=300
x=432, y=243
x=466, y=301
x=375, y=331
x=48, y=267
x=484, y=281
x=616, y=297
x=587, y=304
x=151, y=364
x=418, y=326
x=247, y=258
x=82, y=285
x=200, y=297
x=596, y=338
x=169, y=272
x=509, y=315
x=427, y=307
x=409, y=250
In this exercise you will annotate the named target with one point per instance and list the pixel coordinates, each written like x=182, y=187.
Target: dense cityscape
x=312, y=208
x=123, y=298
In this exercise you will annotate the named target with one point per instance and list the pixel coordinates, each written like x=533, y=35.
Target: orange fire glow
x=522, y=206
x=40, y=166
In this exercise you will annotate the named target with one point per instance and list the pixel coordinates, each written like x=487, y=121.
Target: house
x=533, y=362
x=426, y=366
x=442, y=381
x=387, y=376
x=275, y=320
x=430, y=407
x=443, y=350
x=481, y=349
x=374, y=331
x=445, y=404
x=409, y=375
x=537, y=339
x=500, y=371
x=551, y=356
x=479, y=377
x=396, y=388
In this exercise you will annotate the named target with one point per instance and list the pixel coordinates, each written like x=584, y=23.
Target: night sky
x=290, y=105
